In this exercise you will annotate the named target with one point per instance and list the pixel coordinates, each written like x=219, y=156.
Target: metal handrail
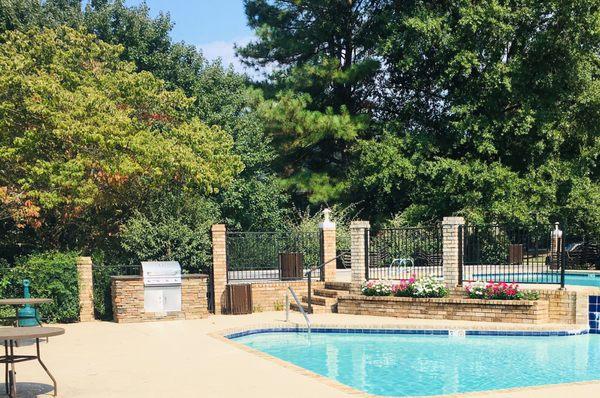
x=287, y=308
x=309, y=275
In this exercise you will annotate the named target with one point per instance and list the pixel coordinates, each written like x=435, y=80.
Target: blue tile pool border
x=433, y=332
x=594, y=314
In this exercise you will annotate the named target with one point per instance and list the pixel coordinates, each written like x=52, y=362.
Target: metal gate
x=402, y=253
x=506, y=253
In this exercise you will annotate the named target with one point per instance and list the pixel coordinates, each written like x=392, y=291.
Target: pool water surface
x=579, y=279
x=422, y=365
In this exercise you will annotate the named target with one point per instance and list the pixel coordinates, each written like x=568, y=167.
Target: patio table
x=12, y=335
x=19, y=302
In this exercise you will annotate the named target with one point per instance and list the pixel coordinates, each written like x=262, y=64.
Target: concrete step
x=316, y=309
x=327, y=293
x=337, y=286
x=319, y=300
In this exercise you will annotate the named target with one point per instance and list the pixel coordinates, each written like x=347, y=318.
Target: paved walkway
x=182, y=359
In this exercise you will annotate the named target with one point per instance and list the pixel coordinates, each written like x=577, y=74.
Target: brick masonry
x=523, y=311
x=270, y=296
x=357, y=247
x=329, y=250
x=219, y=258
x=451, y=247
x=86, y=289
x=564, y=306
x=128, y=299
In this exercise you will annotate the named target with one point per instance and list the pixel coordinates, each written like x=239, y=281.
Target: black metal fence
x=401, y=253
x=272, y=255
x=521, y=254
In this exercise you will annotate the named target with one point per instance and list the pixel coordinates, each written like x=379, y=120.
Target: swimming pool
x=590, y=279
x=431, y=364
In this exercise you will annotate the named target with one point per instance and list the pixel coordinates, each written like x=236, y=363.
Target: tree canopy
x=81, y=131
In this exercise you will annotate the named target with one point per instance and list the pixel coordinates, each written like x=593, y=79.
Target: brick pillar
x=329, y=247
x=452, y=259
x=219, y=254
x=86, y=289
x=582, y=309
x=357, y=248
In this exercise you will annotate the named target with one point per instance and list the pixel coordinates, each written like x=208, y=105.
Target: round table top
x=24, y=333
x=23, y=301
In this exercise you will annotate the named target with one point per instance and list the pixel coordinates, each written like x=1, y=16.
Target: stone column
x=219, y=258
x=358, y=255
x=86, y=289
x=452, y=259
x=329, y=247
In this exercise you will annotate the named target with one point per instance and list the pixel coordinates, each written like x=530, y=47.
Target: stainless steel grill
x=162, y=286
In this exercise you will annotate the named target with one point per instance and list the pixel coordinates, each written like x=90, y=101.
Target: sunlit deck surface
x=187, y=358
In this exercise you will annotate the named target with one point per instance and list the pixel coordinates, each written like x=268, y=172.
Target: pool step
x=316, y=309
x=345, y=286
x=326, y=293
x=324, y=300
x=318, y=300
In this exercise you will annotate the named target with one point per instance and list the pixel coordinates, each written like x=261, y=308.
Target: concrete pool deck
x=188, y=358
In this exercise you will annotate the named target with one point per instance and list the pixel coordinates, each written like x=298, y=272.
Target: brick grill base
x=128, y=299
x=522, y=311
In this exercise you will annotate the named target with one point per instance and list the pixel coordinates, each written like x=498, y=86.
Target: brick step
x=325, y=301
x=326, y=293
x=316, y=309
x=337, y=286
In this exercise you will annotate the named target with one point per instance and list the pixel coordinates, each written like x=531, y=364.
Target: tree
x=324, y=68
x=492, y=109
x=84, y=137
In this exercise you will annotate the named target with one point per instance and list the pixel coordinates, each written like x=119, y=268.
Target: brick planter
x=128, y=299
x=463, y=309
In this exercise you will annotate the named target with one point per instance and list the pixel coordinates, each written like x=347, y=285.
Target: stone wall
x=270, y=296
x=86, y=289
x=463, y=309
x=128, y=299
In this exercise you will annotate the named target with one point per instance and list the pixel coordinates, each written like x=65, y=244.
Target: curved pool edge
x=229, y=336
x=413, y=328
x=437, y=332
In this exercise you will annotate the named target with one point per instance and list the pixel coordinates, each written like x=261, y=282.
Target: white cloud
x=225, y=50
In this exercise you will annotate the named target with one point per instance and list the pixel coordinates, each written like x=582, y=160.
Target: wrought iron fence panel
x=402, y=253
x=582, y=252
x=272, y=255
x=506, y=253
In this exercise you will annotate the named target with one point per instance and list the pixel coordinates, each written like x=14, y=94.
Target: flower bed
x=425, y=287
x=498, y=291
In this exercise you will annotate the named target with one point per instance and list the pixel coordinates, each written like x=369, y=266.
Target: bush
x=499, y=291
x=377, y=288
x=404, y=288
x=53, y=275
x=426, y=287
x=429, y=287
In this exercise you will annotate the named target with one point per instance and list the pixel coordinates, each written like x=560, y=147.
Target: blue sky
x=211, y=25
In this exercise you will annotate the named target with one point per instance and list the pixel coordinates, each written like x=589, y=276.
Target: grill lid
x=161, y=273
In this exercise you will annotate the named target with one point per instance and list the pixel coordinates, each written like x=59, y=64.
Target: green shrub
x=52, y=275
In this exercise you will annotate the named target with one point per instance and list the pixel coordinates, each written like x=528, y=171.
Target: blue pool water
x=422, y=365
x=570, y=279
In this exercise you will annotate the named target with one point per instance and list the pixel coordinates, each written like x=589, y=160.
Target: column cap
x=218, y=228
x=453, y=220
x=359, y=224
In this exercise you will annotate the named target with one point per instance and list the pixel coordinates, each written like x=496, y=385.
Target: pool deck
x=191, y=358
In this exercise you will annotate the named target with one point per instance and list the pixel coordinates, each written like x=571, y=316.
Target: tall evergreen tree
x=323, y=61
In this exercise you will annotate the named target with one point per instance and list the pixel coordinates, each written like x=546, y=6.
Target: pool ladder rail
x=287, y=308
